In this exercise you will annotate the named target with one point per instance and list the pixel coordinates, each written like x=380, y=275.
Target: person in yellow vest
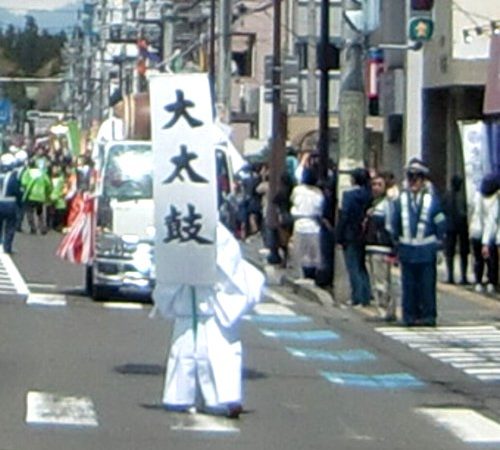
x=57, y=207
x=36, y=185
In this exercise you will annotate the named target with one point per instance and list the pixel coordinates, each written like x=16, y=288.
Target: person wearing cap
x=111, y=129
x=10, y=194
x=418, y=228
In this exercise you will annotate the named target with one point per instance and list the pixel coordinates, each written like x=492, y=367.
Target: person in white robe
x=206, y=352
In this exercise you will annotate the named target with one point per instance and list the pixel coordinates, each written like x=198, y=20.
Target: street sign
x=420, y=29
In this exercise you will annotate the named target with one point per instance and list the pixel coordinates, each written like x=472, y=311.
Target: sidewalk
x=456, y=303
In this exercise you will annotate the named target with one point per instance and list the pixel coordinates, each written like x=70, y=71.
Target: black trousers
x=491, y=263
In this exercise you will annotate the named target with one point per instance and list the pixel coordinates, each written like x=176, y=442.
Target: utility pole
x=352, y=120
x=323, y=66
x=352, y=109
x=277, y=156
x=311, y=57
x=167, y=30
x=224, y=78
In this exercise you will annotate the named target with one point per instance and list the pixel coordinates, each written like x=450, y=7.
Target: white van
x=124, y=238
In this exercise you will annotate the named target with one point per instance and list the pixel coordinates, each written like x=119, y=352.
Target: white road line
x=466, y=424
x=42, y=286
x=122, y=305
x=15, y=277
x=489, y=377
x=204, y=423
x=46, y=300
x=44, y=408
x=273, y=308
x=479, y=371
x=277, y=297
x=474, y=350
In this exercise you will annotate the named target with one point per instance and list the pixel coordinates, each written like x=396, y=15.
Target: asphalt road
x=83, y=375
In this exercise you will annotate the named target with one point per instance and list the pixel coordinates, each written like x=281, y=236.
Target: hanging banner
x=185, y=185
x=476, y=157
x=492, y=90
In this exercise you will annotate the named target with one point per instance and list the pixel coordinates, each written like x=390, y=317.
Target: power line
x=470, y=15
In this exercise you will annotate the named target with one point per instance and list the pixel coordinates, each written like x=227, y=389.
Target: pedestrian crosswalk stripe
x=340, y=356
x=466, y=424
x=313, y=335
x=44, y=408
x=12, y=282
x=274, y=318
x=122, y=305
x=273, y=309
x=277, y=297
x=383, y=381
x=451, y=329
x=475, y=350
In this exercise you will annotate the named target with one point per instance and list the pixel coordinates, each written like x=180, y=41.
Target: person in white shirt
x=483, y=230
x=307, y=209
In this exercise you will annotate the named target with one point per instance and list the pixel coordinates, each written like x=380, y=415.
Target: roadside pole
x=224, y=66
x=277, y=156
x=352, y=118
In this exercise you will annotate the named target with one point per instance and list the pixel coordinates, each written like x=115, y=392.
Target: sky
x=52, y=15
x=21, y=7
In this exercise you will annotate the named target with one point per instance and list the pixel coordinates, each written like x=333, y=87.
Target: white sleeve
x=490, y=223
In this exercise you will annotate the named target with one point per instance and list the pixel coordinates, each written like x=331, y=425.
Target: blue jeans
x=354, y=255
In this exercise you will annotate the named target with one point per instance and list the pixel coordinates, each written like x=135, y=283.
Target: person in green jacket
x=37, y=186
x=57, y=208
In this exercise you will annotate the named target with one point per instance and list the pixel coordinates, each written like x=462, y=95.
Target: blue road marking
x=384, y=381
x=342, y=356
x=314, y=335
x=277, y=318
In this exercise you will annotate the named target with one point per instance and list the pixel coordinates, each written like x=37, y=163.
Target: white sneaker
x=478, y=287
x=490, y=288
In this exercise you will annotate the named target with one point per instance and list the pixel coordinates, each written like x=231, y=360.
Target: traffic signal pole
x=276, y=160
x=420, y=28
x=323, y=146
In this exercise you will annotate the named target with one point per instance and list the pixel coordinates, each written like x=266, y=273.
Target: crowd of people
x=41, y=189
x=380, y=225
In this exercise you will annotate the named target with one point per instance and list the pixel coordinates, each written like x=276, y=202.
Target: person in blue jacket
x=349, y=232
x=418, y=227
x=10, y=196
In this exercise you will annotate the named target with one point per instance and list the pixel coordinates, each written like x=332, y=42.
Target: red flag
x=78, y=245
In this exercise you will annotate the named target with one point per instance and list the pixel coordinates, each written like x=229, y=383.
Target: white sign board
x=185, y=185
x=476, y=158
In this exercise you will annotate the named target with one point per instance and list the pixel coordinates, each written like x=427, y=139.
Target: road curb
x=276, y=275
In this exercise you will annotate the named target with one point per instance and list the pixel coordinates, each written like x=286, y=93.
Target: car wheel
x=89, y=279
x=99, y=293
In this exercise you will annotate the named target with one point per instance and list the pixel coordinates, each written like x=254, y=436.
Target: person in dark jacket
x=455, y=210
x=354, y=203
x=10, y=195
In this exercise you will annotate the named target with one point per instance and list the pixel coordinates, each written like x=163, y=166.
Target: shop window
x=242, y=54
x=332, y=56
